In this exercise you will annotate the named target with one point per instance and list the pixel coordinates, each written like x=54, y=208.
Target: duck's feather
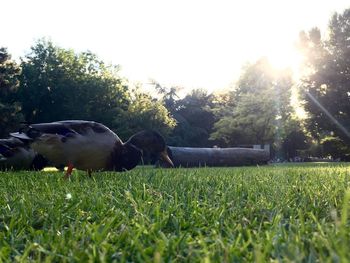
x=65, y=128
x=15, y=154
x=5, y=151
x=8, y=147
x=12, y=142
x=85, y=144
x=21, y=159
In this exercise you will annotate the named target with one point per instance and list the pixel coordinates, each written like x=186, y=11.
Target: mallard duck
x=152, y=143
x=90, y=146
x=18, y=155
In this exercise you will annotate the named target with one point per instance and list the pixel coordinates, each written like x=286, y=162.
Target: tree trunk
x=196, y=157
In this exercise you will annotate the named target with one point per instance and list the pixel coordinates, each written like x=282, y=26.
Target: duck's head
x=153, y=143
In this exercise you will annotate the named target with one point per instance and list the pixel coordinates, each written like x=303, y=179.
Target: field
x=269, y=213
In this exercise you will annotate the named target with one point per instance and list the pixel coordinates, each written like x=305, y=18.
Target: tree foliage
x=58, y=84
x=144, y=112
x=335, y=147
x=9, y=107
x=295, y=139
x=257, y=110
x=193, y=115
x=326, y=88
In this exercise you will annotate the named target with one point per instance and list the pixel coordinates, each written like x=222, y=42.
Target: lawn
x=268, y=213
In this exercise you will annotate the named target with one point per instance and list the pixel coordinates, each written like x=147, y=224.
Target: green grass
x=270, y=213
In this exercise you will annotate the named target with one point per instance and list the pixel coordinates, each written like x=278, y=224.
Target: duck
x=90, y=146
x=151, y=143
x=16, y=154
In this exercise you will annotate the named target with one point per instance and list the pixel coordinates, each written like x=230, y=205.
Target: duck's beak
x=21, y=135
x=165, y=157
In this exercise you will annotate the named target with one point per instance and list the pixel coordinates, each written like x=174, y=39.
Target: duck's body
x=85, y=145
x=18, y=155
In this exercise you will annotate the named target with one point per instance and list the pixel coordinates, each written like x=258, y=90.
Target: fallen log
x=199, y=157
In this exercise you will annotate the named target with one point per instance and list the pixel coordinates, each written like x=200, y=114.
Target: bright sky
x=191, y=43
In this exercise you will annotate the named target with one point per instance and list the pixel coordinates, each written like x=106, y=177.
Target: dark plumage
x=153, y=143
x=88, y=145
x=17, y=154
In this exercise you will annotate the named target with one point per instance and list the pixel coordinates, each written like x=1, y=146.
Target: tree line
x=52, y=83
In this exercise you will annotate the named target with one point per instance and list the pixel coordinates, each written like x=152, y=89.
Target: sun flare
x=281, y=59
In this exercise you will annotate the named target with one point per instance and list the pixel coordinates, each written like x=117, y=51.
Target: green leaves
x=144, y=112
x=257, y=111
x=9, y=81
x=58, y=84
x=325, y=88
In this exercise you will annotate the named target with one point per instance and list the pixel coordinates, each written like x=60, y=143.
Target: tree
x=9, y=107
x=325, y=88
x=195, y=120
x=169, y=95
x=257, y=109
x=252, y=121
x=144, y=112
x=294, y=140
x=336, y=148
x=59, y=84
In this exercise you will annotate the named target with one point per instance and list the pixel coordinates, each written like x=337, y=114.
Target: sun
x=283, y=58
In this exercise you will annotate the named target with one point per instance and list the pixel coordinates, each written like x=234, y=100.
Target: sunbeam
x=334, y=120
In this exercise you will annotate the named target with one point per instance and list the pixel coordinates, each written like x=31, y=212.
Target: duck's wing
x=84, y=127
x=67, y=129
x=33, y=131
